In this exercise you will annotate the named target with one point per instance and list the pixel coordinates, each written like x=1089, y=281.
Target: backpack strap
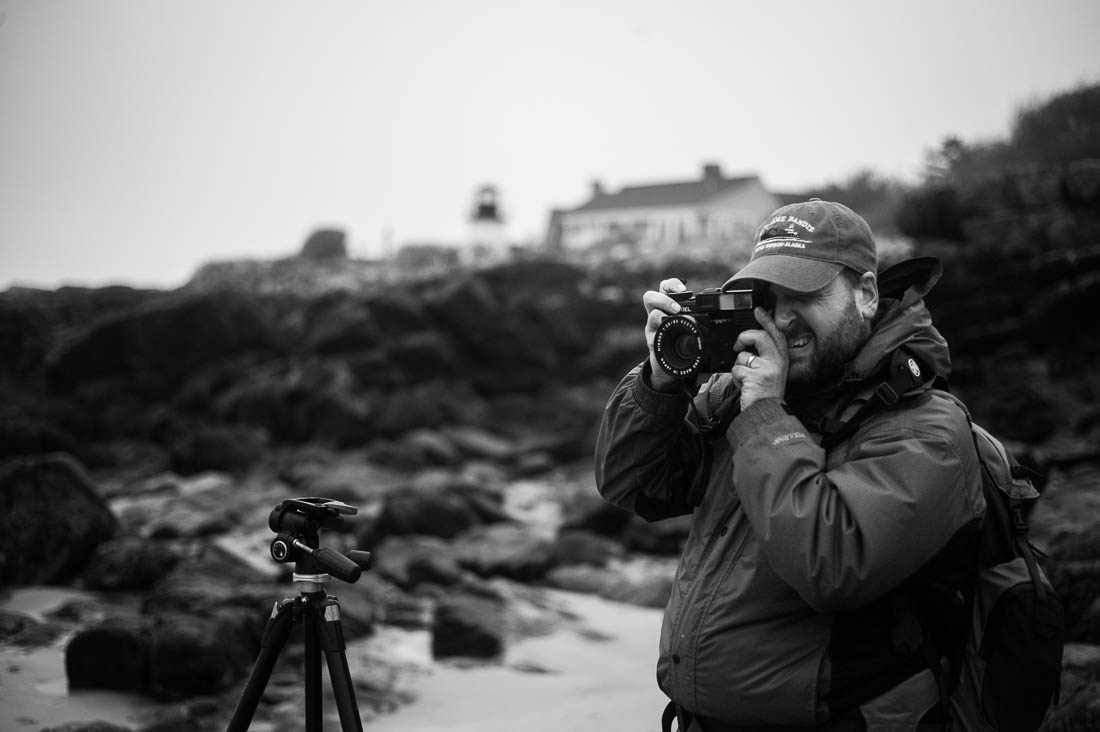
x=904, y=374
x=910, y=637
x=668, y=717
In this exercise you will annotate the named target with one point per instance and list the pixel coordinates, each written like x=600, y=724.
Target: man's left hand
x=763, y=374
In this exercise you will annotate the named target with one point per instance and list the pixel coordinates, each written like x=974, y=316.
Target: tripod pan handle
x=338, y=565
x=363, y=559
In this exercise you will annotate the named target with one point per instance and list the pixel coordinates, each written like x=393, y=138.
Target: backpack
x=1007, y=672
x=1010, y=668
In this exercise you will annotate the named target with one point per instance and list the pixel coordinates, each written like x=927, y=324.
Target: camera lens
x=685, y=347
x=676, y=345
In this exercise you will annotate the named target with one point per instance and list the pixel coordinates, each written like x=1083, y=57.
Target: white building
x=488, y=238
x=710, y=211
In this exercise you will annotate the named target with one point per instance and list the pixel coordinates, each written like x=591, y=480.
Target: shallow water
x=33, y=690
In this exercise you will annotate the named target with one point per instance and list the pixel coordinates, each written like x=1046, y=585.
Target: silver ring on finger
x=749, y=360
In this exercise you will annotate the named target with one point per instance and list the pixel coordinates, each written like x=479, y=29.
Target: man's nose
x=783, y=315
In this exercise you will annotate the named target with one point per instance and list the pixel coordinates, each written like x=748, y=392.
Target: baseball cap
x=803, y=246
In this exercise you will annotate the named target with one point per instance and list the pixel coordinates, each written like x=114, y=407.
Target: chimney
x=712, y=172
x=597, y=188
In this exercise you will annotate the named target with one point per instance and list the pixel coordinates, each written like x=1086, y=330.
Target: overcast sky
x=142, y=138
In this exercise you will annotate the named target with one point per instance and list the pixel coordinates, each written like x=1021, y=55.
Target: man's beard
x=831, y=353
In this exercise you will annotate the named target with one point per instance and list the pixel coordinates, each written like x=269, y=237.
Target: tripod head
x=297, y=523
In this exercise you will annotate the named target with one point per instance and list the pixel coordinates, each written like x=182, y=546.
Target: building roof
x=685, y=193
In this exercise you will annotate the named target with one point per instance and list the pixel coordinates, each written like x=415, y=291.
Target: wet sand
x=33, y=690
x=598, y=676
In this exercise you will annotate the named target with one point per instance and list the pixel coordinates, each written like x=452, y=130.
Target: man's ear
x=867, y=295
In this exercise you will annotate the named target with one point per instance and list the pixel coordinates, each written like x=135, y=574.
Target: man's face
x=824, y=331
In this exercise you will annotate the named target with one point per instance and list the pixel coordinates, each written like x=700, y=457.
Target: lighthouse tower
x=488, y=240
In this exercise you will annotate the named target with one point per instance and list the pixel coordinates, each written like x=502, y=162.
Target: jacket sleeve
x=844, y=536
x=645, y=452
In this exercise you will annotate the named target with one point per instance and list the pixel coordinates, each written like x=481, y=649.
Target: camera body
x=701, y=337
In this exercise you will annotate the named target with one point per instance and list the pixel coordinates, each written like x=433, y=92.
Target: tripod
x=297, y=521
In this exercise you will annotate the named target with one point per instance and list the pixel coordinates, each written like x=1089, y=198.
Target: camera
x=701, y=337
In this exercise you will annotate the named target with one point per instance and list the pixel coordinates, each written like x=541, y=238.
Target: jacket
x=782, y=609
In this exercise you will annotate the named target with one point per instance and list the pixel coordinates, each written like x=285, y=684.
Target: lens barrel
x=678, y=346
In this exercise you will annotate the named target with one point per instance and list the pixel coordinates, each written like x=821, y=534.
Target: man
x=796, y=599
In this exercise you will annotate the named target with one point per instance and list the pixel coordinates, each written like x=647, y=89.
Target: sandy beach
x=598, y=674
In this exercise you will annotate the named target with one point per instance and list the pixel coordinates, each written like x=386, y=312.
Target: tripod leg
x=332, y=641
x=340, y=676
x=314, y=718
x=275, y=636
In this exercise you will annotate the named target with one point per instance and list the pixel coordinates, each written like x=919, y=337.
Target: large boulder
x=429, y=404
x=171, y=656
x=509, y=550
x=26, y=430
x=158, y=346
x=578, y=546
x=1077, y=706
x=420, y=448
x=422, y=357
x=24, y=339
x=215, y=583
x=1074, y=567
x=297, y=400
x=502, y=351
x=229, y=448
x=51, y=519
x=590, y=512
x=325, y=245
x=411, y=560
x=193, y=655
x=1065, y=522
x=111, y=654
x=469, y=626
x=431, y=511
x=339, y=323
x=129, y=563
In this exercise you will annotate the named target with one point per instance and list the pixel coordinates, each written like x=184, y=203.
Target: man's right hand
x=657, y=305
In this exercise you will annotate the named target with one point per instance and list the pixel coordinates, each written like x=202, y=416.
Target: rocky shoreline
x=146, y=436
x=172, y=607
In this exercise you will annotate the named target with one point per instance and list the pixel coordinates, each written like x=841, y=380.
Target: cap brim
x=794, y=273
